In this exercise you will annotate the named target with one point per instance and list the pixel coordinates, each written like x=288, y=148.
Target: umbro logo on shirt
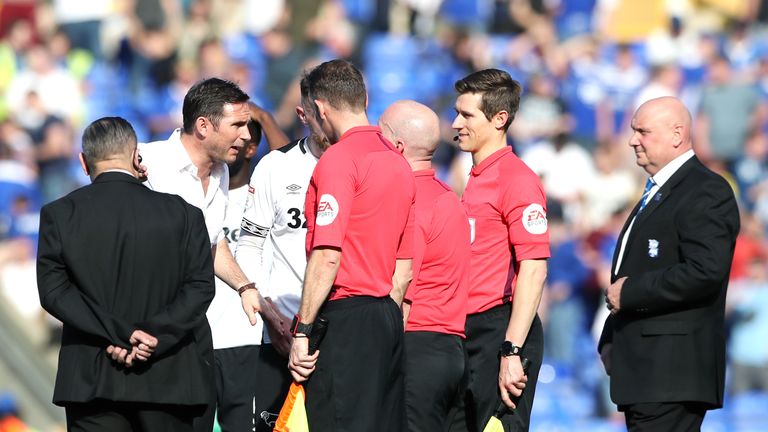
x=293, y=188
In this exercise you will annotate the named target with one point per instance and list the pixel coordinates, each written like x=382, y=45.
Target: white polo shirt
x=274, y=215
x=171, y=170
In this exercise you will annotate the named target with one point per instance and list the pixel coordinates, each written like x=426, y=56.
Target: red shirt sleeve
x=405, y=248
x=420, y=237
x=335, y=183
x=524, y=207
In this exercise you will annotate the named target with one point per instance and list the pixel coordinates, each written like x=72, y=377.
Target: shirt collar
x=490, y=160
x=356, y=129
x=119, y=170
x=671, y=168
x=424, y=173
x=183, y=163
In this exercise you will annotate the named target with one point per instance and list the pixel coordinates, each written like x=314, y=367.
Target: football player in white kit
x=274, y=218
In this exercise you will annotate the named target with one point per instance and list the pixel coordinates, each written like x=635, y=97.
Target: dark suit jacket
x=669, y=338
x=113, y=257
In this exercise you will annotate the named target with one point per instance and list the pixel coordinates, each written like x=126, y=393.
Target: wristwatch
x=509, y=349
x=297, y=327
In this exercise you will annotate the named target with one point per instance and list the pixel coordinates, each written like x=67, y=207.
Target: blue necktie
x=647, y=191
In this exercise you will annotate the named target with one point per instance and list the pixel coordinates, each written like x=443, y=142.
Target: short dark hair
x=306, y=102
x=499, y=92
x=340, y=83
x=207, y=99
x=254, y=129
x=108, y=137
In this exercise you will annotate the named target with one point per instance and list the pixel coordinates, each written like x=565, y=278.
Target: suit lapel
x=661, y=195
x=666, y=191
x=621, y=236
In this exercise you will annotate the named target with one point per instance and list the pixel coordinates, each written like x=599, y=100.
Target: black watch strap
x=297, y=327
x=509, y=349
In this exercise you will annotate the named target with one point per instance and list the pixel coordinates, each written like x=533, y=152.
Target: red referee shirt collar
x=357, y=129
x=424, y=173
x=490, y=160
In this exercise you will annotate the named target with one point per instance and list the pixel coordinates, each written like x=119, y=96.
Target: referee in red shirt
x=435, y=303
x=359, y=211
x=506, y=207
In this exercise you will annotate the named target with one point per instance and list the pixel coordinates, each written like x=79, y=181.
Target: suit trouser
x=357, y=384
x=204, y=340
x=236, y=387
x=662, y=417
x=485, y=332
x=273, y=379
x=101, y=415
x=434, y=378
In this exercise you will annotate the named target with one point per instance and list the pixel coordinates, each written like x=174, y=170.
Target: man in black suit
x=664, y=343
x=129, y=273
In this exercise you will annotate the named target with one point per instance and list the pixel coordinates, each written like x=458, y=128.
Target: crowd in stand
x=585, y=66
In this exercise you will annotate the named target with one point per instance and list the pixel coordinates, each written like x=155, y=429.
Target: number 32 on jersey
x=297, y=218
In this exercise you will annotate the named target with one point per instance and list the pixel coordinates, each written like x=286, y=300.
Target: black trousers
x=100, y=415
x=485, y=332
x=204, y=421
x=661, y=417
x=434, y=373
x=357, y=384
x=273, y=380
x=236, y=387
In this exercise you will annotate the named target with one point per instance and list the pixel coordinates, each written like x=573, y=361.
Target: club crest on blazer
x=653, y=248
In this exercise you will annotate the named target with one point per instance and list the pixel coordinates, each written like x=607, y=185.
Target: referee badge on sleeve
x=327, y=210
x=535, y=219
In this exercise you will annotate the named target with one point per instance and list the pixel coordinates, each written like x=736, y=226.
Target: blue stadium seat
x=389, y=52
x=467, y=12
x=750, y=405
x=361, y=11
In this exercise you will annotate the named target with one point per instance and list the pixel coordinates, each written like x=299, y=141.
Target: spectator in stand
x=748, y=304
x=728, y=111
x=750, y=246
x=565, y=169
x=541, y=116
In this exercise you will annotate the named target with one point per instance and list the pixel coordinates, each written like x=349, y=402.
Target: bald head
x=662, y=131
x=669, y=109
x=413, y=127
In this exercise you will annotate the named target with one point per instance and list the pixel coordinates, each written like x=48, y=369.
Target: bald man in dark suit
x=664, y=343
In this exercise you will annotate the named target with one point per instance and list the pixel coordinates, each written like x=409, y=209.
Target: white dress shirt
x=659, y=179
x=229, y=325
x=170, y=170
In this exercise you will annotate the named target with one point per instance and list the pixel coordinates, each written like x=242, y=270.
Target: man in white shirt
x=236, y=342
x=192, y=163
x=271, y=250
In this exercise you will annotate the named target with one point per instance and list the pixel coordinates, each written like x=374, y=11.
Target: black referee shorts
x=358, y=383
x=434, y=372
x=485, y=332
